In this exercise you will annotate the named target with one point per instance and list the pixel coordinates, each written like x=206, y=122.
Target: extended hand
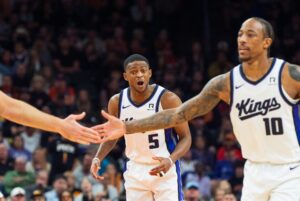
x=72, y=130
x=113, y=129
x=164, y=166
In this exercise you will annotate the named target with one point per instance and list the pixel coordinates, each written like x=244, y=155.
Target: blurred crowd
x=65, y=56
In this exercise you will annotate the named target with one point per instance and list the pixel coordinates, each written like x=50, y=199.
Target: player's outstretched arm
x=25, y=114
x=105, y=147
x=216, y=89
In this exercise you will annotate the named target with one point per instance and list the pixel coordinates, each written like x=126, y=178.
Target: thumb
x=79, y=116
x=106, y=115
x=157, y=158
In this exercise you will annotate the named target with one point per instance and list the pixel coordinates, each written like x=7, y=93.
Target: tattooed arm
x=215, y=90
x=291, y=80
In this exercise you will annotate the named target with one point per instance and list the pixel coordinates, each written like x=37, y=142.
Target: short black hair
x=134, y=57
x=268, y=28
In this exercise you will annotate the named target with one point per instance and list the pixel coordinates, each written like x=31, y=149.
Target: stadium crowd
x=65, y=56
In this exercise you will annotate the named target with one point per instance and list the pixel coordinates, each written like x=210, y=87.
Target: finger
x=157, y=158
x=78, y=116
x=157, y=168
x=107, y=116
x=97, y=127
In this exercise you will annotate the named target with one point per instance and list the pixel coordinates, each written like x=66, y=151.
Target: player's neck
x=140, y=97
x=257, y=68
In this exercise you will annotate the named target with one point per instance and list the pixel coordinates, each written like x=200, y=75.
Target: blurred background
x=66, y=56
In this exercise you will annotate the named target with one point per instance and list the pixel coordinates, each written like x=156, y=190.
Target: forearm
x=181, y=148
x=105, y=148
x=197, y=106
x=23, y=113
x=165, y=119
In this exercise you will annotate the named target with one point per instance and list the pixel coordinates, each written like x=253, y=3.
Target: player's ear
x=150, y=72
x=125, y=76
x=267, y=42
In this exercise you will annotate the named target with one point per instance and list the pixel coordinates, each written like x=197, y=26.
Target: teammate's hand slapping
x=162, y=168
x=70, y=129
x=113, y=129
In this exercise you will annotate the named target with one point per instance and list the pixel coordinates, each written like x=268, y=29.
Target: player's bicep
x=215, y=90
x=113, y=105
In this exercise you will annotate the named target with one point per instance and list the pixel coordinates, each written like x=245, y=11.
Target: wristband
x=96, y=160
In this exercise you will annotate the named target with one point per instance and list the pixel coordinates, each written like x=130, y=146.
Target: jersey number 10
x=273, y=126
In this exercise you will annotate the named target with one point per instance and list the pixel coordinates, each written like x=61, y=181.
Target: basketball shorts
x=269, y=182
x=142, y=186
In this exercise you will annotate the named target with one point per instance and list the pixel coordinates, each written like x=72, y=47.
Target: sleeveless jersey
x=141, y=147
x=264, y=117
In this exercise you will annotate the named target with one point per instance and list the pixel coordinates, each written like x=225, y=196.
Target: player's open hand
x=95, y=167
x=72, y=130
x=162, y=168
x=113, y=129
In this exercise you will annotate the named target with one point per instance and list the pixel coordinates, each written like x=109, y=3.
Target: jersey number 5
x=153, y=141
x=273, y=126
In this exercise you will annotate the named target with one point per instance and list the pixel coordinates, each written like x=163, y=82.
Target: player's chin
x=244, y=58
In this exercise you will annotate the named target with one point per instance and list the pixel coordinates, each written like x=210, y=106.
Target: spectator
x=37, y=195
x=83, y=171
x=18, y=177
x=18, y=149
x=6, y=162
x=64, y=154
x=17, y=194
x=202, y=181
x=2, y=198
x=40, y=185
x=31, y=138
x=192, y=192
x=59, y=185
x=39, y=161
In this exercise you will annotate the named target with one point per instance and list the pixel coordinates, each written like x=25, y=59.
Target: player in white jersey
x=263, y=93
x=152, y=172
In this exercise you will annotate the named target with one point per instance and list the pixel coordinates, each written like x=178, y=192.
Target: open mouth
x=140, y=83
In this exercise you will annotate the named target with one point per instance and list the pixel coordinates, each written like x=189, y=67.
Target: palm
x=73, y=131
x=113, y=129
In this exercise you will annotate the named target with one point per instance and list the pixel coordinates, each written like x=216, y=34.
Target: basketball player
x=153, y=168
x=263, y=93
x=23, y=113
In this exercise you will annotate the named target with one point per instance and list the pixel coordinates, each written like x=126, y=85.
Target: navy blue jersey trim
x=231, y=88
x=143, y=103
x=120, y=103
x=296, y=121
x=158, y=100
x=257, y=81
x=280, y=87
x=179, y=182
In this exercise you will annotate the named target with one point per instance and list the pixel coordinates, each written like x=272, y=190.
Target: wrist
x=96, y=161
x=170, y=159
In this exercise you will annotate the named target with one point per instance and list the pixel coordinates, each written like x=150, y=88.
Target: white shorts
x=267, y=182
x=140, y=185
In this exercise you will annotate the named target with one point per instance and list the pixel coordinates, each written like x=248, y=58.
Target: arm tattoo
x=201, y=104
x=294, y=71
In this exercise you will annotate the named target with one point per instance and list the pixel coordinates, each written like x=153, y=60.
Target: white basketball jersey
x=265, y=119
x=141, y=147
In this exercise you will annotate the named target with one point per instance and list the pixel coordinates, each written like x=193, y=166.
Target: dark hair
x=268, y=29
x=134, y=57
